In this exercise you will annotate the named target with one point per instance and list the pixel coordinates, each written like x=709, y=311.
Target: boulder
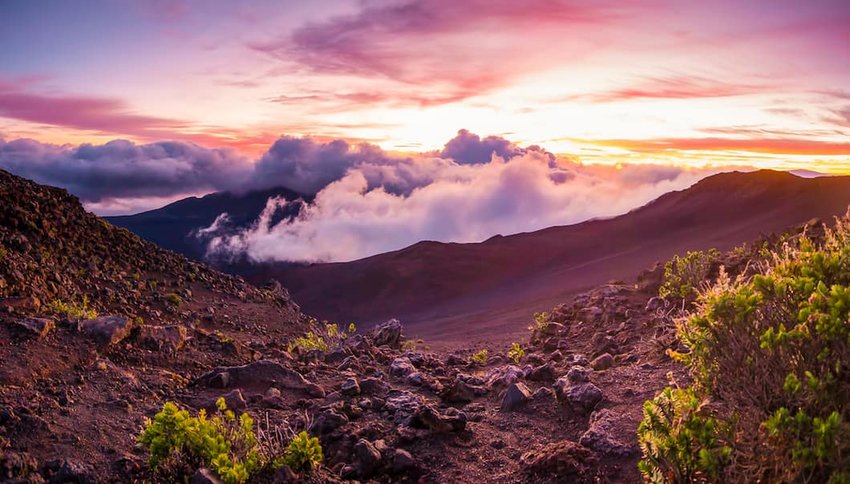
x=515, y=397
x=578, y=374
x=259, y=375
x=387, y=333
x=542, y=373
x=107, y=330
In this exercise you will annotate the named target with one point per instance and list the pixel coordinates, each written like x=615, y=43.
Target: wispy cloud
x=673, y=87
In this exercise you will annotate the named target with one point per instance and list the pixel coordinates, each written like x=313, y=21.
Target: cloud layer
x=367, y=200
x=376, y=206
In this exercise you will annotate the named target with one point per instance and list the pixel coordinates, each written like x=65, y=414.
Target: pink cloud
x=674, y=87
x=90, y=113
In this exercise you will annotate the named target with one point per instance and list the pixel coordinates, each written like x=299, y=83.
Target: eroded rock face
x=107, y=330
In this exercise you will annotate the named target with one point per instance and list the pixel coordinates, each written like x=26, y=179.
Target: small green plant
x=308, y=342
x=408, y=345
x=73, y=311
x=680, y=443
x=683, y=276
x=352, y=328
x=3, y=253
x=516, y=353
x=304, y=453
x=174, y=299
x=541, y=321
x=226, y=443
x=479, y=358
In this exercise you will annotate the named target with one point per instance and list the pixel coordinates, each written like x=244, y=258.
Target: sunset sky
x=725, y=82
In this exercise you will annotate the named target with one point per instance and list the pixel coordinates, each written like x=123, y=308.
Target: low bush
x=684, y=276
x=179, y=443
x=770, y=355
x=480, y=357
x=516, y=353
x=174, y=299
x=73, y=311
x=323, y=337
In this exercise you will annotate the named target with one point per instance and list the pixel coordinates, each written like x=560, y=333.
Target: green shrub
x=174, y=299
x=683, y=276
x=226, y=444
x=516, y=353
x=73, y=311
x=479, y=358
x=322, y=337
x=304, y=453
x=771, y=352
x=308, y=342
x=679, y=441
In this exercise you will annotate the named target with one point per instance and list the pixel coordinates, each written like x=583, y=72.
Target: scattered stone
x=387, y=333
x=542, y=373
x=543, y=394
x=564, y=459
x=367, y=457
x=578, y=374
x=233, y=399
x=515, y=397
x=503, y=376
x=328, y=421
x=374, y=386
x=458, y=392
x=169, y=338
x=107, y=330
x=583, y=396
x=416, y=379
x=602, y=362
x=599, y=436
x=401, y=367
x=350, y=387
x=403, y=461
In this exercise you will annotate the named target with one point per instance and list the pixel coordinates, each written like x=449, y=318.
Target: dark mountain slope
x=448, y=290
x=172, y=226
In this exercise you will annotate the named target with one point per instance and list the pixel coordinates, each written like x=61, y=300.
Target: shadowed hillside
x=457, y=291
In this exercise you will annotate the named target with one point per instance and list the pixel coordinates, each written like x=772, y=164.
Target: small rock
x=515, y=396
x=350, y=387
x=169, y=338
x=542, y=373
x=401, y=366
x=578, y=374
x=233, y=399
x=602, y=362
x=583, y=396
x=458, y=392
x=403, y=461
x=367, y=457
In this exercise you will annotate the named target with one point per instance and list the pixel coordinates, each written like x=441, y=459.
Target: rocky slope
x=75, y=389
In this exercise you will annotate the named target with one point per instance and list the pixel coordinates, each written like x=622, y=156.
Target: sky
x=131, y=104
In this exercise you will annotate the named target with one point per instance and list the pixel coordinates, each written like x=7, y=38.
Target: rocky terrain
x=79, y=376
